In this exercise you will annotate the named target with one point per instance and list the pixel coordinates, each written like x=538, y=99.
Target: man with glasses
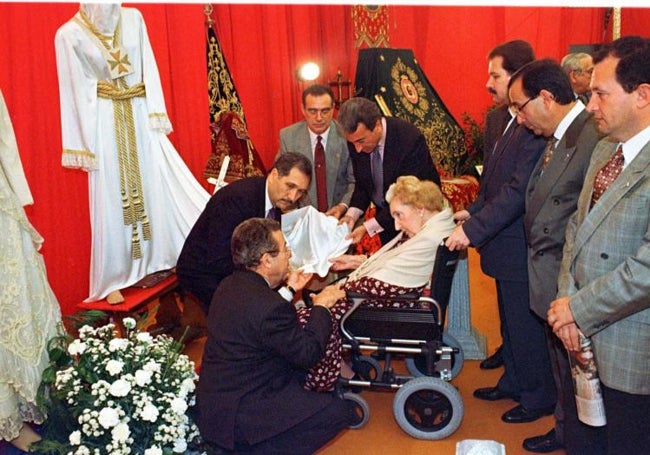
x=250, y=395
x=494, y=224
x=205, y=259
x=320, y=139
x=543, y=100
x=578, y=66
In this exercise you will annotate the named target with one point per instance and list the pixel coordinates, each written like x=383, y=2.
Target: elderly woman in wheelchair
x=401, y=267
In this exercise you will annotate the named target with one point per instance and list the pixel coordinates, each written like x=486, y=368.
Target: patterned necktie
x=607, y=174
x=320, y=171
x=376, y=167
x=548, y=151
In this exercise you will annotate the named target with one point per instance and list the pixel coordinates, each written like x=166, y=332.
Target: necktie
x=320, y=171
x=607, y=174
x=273, y=214
x=376, y=167
x=548, y=151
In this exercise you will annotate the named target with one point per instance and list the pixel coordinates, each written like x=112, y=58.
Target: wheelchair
x=425, y=406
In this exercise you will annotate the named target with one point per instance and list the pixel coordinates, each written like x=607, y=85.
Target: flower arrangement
x=106, y=394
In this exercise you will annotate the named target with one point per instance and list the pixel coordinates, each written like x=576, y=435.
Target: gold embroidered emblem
x=120, y=62
x=410, y=90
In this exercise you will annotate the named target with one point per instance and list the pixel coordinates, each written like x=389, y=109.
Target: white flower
x=152, y=366
x=119, y=388
x=129, y=323
x=153, y=450
x=121, y=432
x=108, y=417
x=118, y=344
x=187, y=386
x=180, y=446
x=76, y=347
x=178, y=405
x=114, y=367
x=75, y=438
x=144, y=337
x=149, y=412
x=143, y=377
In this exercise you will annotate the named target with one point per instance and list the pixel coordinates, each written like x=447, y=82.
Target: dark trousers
x=628, y=430
x=525, y=355
x=576, y=437
x=309, y=435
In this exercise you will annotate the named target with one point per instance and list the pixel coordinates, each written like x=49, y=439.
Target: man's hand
x=337, y=211
x=457, y=240
x=347, y=262
x=297, y=279
x=461, y=216
x=568, y=334
x=559, y=314
x=328, y=296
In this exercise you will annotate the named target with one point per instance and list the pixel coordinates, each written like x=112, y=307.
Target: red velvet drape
x=263, y=45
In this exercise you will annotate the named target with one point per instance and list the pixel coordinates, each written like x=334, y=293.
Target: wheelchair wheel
x=417, y=365
x=368, y=368
x=428, y=408
x=360, y=407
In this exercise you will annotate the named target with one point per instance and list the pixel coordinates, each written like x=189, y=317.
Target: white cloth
x=410, y=263
x=173, y=198
x=30, y=311
x=314, y=238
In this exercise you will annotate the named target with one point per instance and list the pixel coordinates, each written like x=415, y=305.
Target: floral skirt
x=323, y=376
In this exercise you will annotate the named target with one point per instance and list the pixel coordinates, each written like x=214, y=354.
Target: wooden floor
x=482, y=419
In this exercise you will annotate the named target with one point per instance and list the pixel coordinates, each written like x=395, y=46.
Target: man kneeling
x=250, y=396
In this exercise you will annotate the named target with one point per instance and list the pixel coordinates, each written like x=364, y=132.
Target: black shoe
x=542, y=444
x=494, y=361
x=493, y=394
x=519, y=414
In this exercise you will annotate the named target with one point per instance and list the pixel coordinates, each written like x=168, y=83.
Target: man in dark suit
x=494, y=225
x=381, y=150
x=250, y=396
x=551, y=198
x=303, y=137
x=205, y=259
x=604, y=280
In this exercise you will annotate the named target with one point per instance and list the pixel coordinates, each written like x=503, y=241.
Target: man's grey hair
x=571, y=62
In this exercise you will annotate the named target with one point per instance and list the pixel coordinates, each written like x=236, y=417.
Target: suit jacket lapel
x=635, y=173
x=498, y=151
x=564, y=150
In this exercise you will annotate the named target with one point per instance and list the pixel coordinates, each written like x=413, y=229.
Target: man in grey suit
x=302, y=137
x=551, y=198
x=604, y=281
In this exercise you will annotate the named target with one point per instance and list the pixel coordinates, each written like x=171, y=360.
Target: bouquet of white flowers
x=104, y=394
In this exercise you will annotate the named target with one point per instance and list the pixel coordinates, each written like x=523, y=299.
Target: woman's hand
x=347, y=262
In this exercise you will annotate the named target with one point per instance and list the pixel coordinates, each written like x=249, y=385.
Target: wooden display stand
x=137, y=300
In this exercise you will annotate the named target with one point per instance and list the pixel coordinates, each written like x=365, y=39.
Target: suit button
x=604, y=255
x=545, y=230
x=556, y=202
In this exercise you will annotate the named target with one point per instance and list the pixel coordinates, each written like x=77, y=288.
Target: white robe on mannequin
x=172, y=197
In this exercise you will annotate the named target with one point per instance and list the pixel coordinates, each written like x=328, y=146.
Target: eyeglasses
x=516, y=109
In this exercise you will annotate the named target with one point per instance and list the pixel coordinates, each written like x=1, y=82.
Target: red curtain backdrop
x=264, y=45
